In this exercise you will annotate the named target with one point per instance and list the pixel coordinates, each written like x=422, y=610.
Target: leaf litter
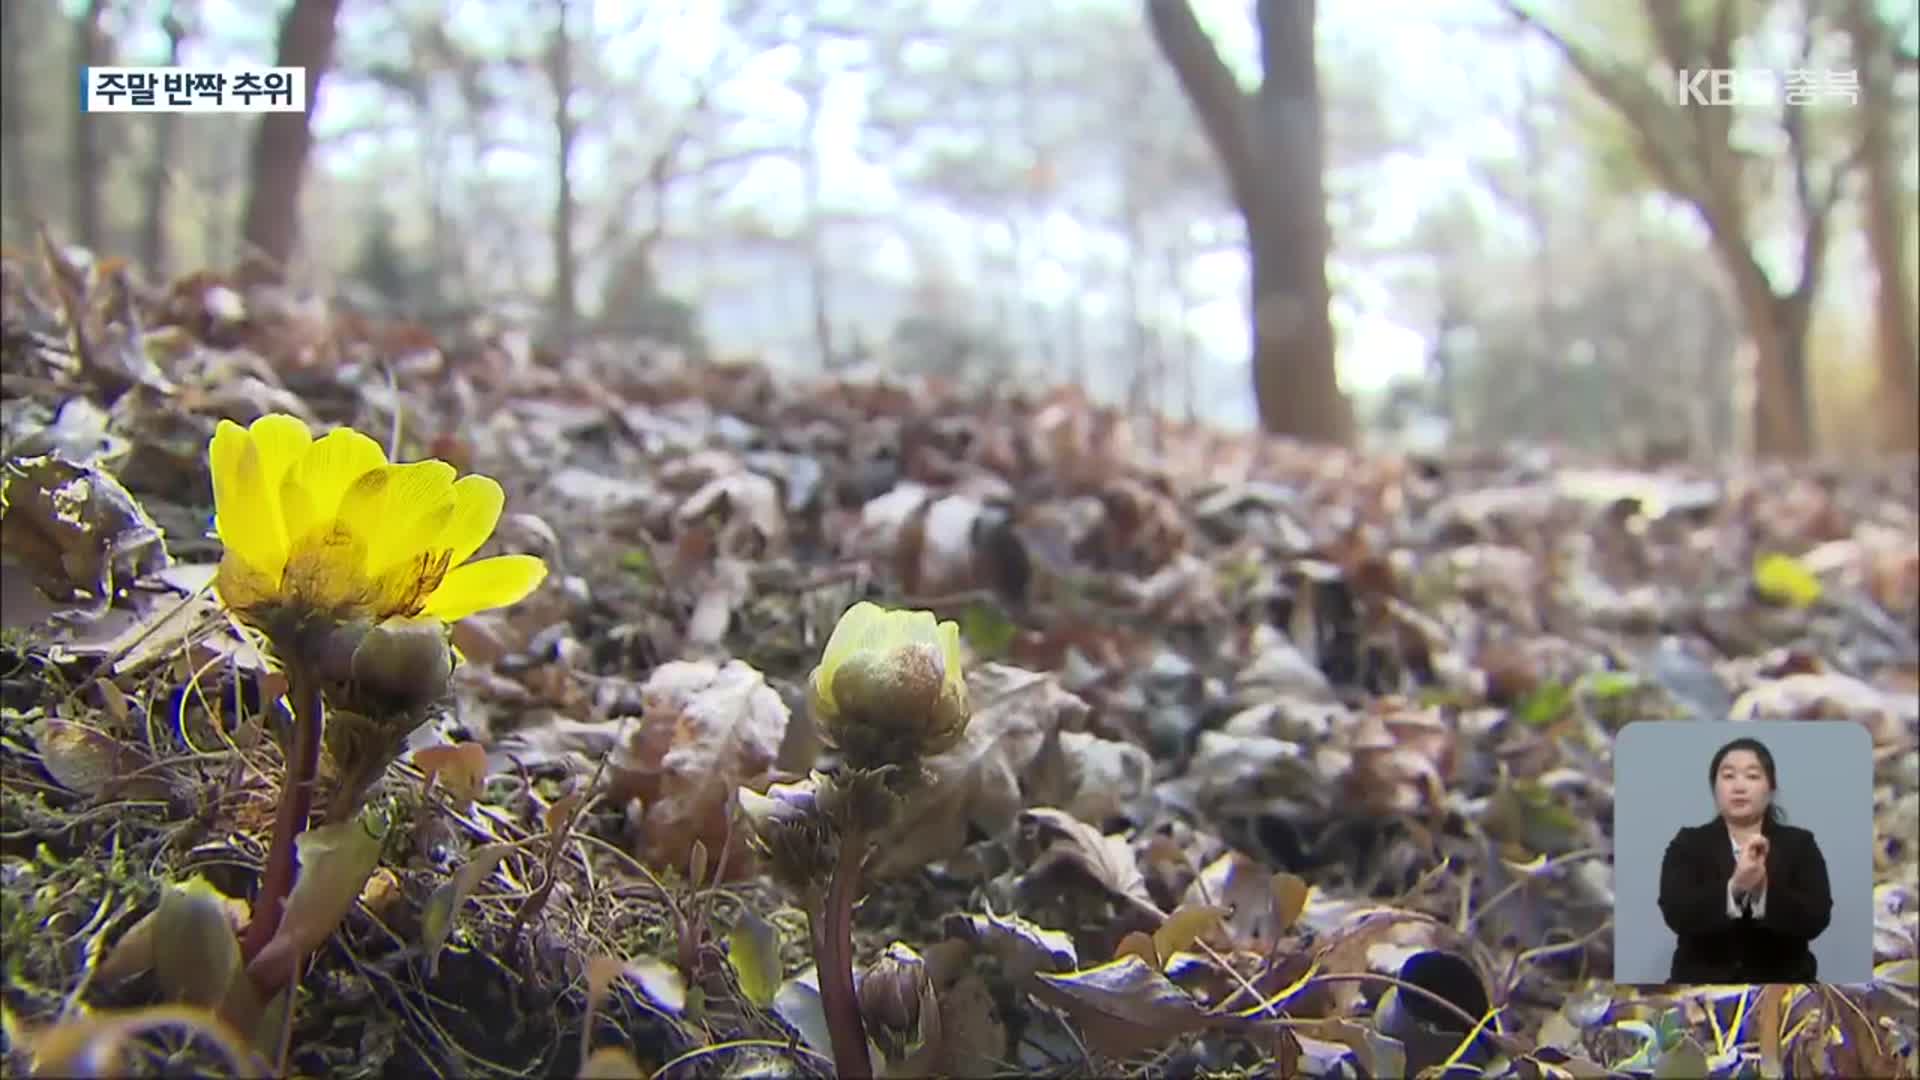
x=1260, y=728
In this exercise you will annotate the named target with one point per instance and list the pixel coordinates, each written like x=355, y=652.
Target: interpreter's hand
x=1750, y=869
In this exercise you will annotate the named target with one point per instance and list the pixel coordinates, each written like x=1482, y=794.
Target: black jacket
x=1714, y=947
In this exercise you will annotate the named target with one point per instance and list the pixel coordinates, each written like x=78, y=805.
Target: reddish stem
x=296, y=806
x=835, y=953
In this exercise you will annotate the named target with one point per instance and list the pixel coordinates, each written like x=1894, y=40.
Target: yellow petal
x=489, y=583
x=245, y=512
x=478, y=501
x=388, y=506
x=949, y=634
x=239, y=585
x=403, y=587
x=313, y=487
x=282, y=440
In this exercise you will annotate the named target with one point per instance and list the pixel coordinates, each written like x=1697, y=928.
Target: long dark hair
x=1776, y=814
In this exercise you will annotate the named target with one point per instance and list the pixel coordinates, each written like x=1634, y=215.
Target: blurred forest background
x=1525, y=237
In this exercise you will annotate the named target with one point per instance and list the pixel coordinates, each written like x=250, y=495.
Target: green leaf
x=1684, y=1060
x=1606, y=686
x=195, y=952
x=436, y=917
x=988, y=630
x=1545, y=706
x=754, y=951
x=1785, y=580
x=335, y=862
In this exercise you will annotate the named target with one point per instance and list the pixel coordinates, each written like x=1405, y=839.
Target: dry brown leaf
x=1185, y=925
x=1290, y=895
x=1363, y=942
x=460, y=768
x=80, y=533
x=982, y=782
x=705, y=731
x=973, y=1038
x=1067, y=844
x=90, y=761
x=1139, y=943
x=1247, y=891
x=1125, y=1007
x=1022, y=946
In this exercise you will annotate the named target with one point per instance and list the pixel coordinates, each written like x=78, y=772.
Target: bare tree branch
x=1217, y=96
x=1642, y=112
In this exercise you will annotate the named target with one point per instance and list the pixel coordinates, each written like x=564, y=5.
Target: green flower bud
x=889, y=689
x=402, y=664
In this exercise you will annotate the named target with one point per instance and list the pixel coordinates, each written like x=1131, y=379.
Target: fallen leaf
x=1022, y=946
x=81, y=534
x=87, y=760
x=973, y=1038
x=1125, y=1007
x=1185, y=925
x=984, y=782
x=659, y=982
x=1139, y=943
x=461, y=768
x=705, y=730
x=1068, y=844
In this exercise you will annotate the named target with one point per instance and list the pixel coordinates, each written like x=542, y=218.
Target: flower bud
x=897, y=1002
x=782, y=804
x=889, y=688
x=402, y=664
x=787, y=828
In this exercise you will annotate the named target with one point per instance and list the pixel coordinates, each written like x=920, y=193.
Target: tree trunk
x=1270, y=145
x=813, y=89
x=90, y=49
x=153, y=238
x=566, y=300
x=1885, y=220
x=20, y=31
x=283, y=141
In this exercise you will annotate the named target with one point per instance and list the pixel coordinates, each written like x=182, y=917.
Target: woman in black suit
x=1745, y=893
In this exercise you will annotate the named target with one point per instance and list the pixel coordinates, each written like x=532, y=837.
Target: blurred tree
x=1888, y=203
x=1696, y=153
x=34, y=113
x=1271, y=145
x=153, y=234
x=283, y=140
x=636, y=306
x=566, y=130
x=92, y=46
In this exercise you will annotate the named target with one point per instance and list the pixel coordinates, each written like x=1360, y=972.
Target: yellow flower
x=328, y=527
x=889, y=688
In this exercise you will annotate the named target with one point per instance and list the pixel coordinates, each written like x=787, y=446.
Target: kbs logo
x=1761, y=86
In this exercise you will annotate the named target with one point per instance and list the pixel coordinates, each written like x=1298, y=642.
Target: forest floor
x=1262, y=733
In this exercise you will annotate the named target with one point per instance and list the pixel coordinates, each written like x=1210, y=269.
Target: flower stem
x=834, y=951
x=296, y=806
